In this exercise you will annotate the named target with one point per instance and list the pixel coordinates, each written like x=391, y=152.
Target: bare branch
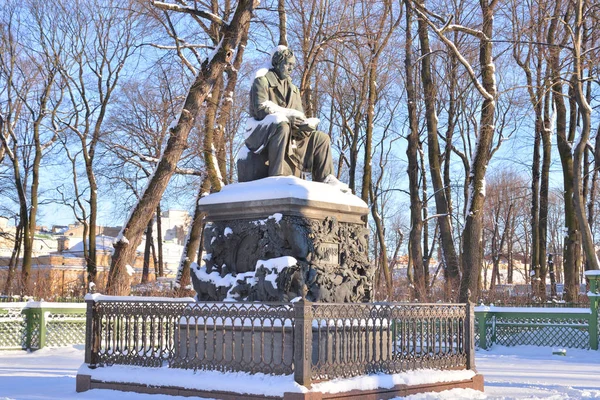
x=183, y=46
x=452, y=46
x=199, y=13
x=460, y=28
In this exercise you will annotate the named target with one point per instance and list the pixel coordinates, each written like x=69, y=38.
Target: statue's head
x=283, y=62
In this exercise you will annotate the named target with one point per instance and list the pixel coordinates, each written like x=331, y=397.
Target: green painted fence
x=34, y=325
x=564, y=327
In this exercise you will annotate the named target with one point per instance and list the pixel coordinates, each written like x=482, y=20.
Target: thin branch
x=452, y=46
x=199, y=13
x=459, y=28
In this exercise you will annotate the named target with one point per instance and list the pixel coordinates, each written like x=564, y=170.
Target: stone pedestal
x=270, y=239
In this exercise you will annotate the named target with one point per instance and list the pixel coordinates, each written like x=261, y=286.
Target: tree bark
x=192, y=242
x=147, y=249
x=450, y=258
x=14, y=261
x=282, y=23
x=159, y=242
x=412, y=155
x=535, y=204
x=570, y=254
x=226, y=106
x=544, y=193
x=585, y=112
x=209, y=148
x=472, y=233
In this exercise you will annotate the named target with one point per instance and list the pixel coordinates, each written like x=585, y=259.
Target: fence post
x=470, y=335
x=594, y=296
x=303, y=342
x=28, y=328
x=42, y=322
x=482, y=328
x=91, y=335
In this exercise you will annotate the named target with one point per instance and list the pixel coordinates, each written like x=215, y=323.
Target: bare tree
x=30, y=79
x=450, y=258
x=99, y=39
x=412, y=153
x=472, y=232
x=530, y=31
x=585, y=112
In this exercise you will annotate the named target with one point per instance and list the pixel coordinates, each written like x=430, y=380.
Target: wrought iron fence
x=12, y=326
x=509, y=326
x=34, y=325
x=356, y=339
x=565, y=327
x=314, y=341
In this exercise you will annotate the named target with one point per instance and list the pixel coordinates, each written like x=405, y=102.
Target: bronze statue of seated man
x=280, y=139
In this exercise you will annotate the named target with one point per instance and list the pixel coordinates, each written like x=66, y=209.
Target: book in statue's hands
x=309, y=124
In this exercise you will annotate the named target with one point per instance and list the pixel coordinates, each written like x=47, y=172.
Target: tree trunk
x=354, y=151
x=450, y=259
x=92, y=269
x=282, y=23
x=570, y=259
x=226, y=105
x=585, y=111
x=14, y=261
x=535, y=204
x=594, y=183
x=192, y=241
x=159, y=242
x=210, y=72
x=368, y=139
x=209, y=148
x=412, y=155
x=425, y=219
x=384, y=265
x=472, y=233
x=509, y=251
x=147, y=249
x=544, y=192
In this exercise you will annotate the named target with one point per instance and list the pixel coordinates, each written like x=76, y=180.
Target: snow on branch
x=199, y=13
x=460, y=28
x=182, y=46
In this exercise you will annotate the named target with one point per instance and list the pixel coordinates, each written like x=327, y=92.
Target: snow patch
x=121, y=238
x=243, y=153
x=102, y=297
x=272, y=268
x=261, y=72
x=282, y=187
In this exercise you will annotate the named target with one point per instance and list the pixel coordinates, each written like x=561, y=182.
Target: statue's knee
x=252, y=167
x=283, y=129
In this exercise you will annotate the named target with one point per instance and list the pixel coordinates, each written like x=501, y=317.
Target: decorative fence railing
x=565, y=327
x=34, y=325
x=313, y=341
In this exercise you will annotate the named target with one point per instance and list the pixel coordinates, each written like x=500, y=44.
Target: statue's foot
x=333, y=181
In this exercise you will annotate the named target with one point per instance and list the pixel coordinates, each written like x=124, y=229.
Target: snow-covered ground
x=510, y=373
